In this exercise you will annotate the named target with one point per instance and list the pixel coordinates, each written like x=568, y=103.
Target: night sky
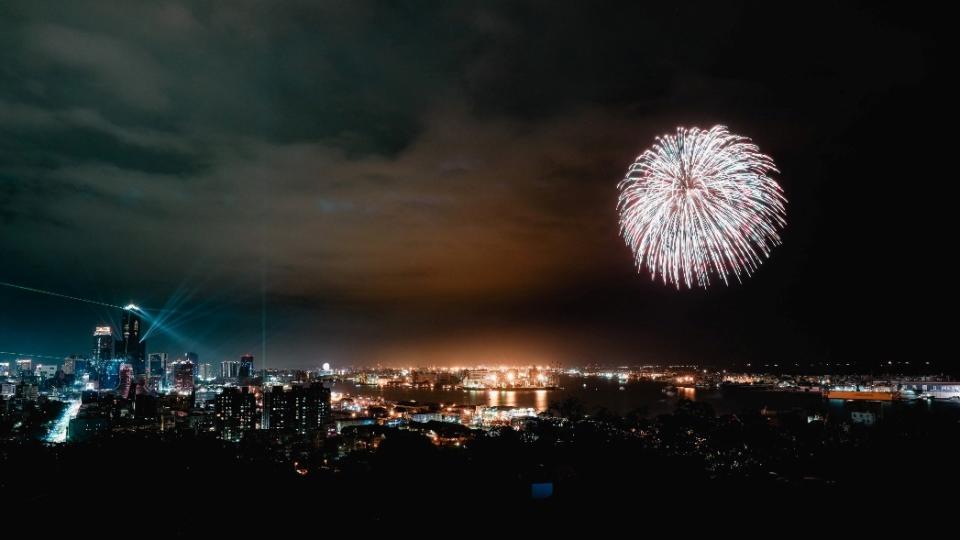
x=436, y=182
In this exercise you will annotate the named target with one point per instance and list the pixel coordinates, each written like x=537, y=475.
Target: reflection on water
x=593, y=393
x=495, y=398
x=542, y=402
x=644, y=397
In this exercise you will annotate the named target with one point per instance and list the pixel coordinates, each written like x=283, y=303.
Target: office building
x=45, y=371
x=300, y=408
x=24, y=366
x=236, y=411
x=130, y=346
x=206, y=372
x=102, y=343
x=246, y=366
x=156, y=364
x=157, y=372
x=108, y=376
x=183, y=374
x=126, y=384
x=229, y=370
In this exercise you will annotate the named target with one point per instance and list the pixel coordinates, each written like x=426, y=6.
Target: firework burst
x=699, y=204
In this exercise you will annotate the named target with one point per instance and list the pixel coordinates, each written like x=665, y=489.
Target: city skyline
x=387, y=199
x=270, y=267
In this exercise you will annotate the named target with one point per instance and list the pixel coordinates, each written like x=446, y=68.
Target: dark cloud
x=407, y=175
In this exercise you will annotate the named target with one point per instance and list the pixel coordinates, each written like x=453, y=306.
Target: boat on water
x=669, y=390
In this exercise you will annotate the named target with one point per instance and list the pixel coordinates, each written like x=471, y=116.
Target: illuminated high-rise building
x=104, y=369
x=168, y=375
x=102, y=343
x=236, y=412
x=195, y=359
x=206, y=372
x=45, y=371
x=246, y=366
x=183, y=373
x=126, y=381
x=76, y=366
x=156, y=371
x=130, y=346
x=302, y=408
x=229, y=369
x=108, y=374
x=157, y=364
x=275, y=408
x=24, y=366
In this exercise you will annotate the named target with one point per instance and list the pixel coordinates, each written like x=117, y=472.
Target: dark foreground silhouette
x=690, y=465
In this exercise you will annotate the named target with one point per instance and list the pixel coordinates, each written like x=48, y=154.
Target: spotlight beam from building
x=67, y=296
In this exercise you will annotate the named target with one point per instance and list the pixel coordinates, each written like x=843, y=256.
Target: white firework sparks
x=701, y=203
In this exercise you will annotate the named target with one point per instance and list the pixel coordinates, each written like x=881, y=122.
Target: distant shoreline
x=460, y=388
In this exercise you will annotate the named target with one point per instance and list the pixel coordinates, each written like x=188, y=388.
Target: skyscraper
x=229, y=369
x=103, y=351
x=131, y=347
x=108, y=373
x=183, y=371
x=156, y=371
x=168, y=375
x=102, y=343
x=246, y=366
x=206, y=372
x=80, y=368
x=193, y=358
x=24, y=366
x=126, y=381
x=157, y=364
